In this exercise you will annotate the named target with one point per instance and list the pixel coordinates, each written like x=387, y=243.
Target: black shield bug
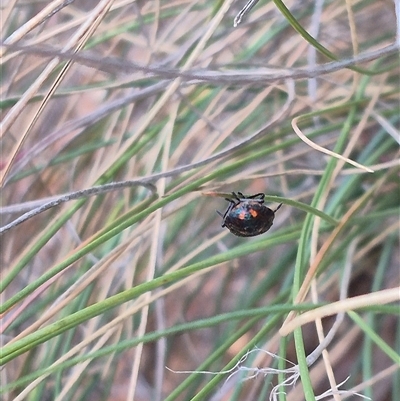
x=247, y=216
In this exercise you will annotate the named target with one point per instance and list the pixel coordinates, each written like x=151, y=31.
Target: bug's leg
x=259, y=195
x=279, y=206
x=235, y=198
x=230, y=206
x=223, y=217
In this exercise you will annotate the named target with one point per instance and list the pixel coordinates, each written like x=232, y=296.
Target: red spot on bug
x=242, y=215
x=253, y=213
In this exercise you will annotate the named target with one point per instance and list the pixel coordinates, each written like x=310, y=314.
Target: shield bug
x=247, y=216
